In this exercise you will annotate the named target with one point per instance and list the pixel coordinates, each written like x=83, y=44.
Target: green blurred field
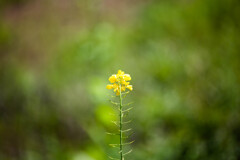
x=56, y=57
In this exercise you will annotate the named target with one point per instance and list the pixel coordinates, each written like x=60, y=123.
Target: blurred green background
x=56, y=57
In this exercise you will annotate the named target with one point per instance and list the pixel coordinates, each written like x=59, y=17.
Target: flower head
x=120, y=82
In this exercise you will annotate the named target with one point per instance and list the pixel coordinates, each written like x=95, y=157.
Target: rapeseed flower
x=120, y=82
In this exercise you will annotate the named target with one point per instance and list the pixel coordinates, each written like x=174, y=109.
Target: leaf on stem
x=127, y=152
x=128, y=143
x=127, y=110
x=127, y=130
x=113, y=158
x=112, y=133
x=128, y=104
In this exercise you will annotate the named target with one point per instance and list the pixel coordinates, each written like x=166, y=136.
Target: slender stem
x=120, y=127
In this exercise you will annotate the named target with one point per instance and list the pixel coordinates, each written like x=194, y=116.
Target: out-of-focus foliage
x=183, y=57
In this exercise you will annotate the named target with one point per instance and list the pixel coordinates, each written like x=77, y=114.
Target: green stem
x=120, y=127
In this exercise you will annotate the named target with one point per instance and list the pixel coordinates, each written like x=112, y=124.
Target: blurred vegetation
x=56, y=57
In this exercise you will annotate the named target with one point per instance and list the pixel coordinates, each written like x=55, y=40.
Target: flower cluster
x=120, y=81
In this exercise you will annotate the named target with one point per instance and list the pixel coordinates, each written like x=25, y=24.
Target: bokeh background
x=56, y=57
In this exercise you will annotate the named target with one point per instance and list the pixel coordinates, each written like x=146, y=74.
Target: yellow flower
x=127, y=77
x=118, y=81
x=125, y=83
x=123, y=88
x=120, y=73
x=129, y=87
x=113, y=78
x=110, y=86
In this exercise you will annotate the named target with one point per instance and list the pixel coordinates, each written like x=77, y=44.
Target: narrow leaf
x=113, y=158
x=127, y=152
x=112, y=133
x=128, y=104
x=128, y=143
x=127, y=130
x=127, y=122
x=127, y=110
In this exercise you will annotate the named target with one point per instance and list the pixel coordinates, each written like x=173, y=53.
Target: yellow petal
x=127, y=77
x=123, y=88
x=116, y=90
x=113, y=78
x=120, y=72
x=130, y=87
x=115, y=85
x=117, y=93
x=125, y=83
x=110, y=86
